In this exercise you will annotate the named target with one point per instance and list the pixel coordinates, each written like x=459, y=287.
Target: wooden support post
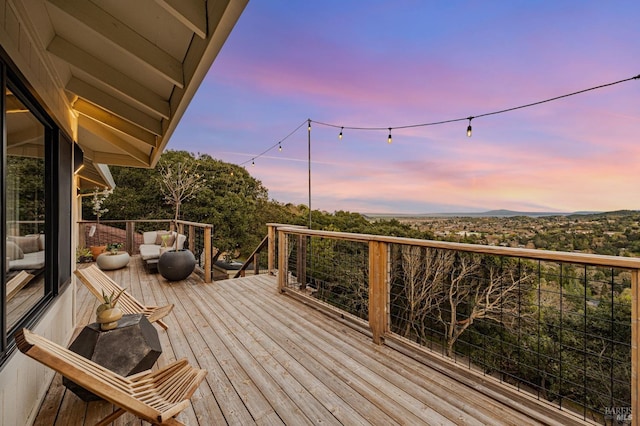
x=378, y=290
x=192, y=238
x=207, y=255
x=283, y=267
x=635, y=349
x=301, y=262
x=256, y=264
x=82, y=232
x=271, y=249
x=130, y=242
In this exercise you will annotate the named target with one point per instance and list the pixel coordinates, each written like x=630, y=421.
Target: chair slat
x=98, y=283
x=152, y=396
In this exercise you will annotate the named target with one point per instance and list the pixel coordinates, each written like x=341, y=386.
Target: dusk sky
x=367, y=63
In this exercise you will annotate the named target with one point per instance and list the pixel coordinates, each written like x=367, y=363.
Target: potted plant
x=83, y=255
x=98, y=210
x=107, y=314
x=179, y=181
x=113, y=248
x=113, y=258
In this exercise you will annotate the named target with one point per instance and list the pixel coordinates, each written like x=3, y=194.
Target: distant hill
x=490, y=213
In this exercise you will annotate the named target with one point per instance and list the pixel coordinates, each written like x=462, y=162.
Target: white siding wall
x=24, y=382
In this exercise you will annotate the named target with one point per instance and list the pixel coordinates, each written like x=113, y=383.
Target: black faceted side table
x=133, y=346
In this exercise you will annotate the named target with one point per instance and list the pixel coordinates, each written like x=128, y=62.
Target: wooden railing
x=587, y=303
x=129, y=233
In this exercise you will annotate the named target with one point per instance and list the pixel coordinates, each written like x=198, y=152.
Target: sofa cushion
x=28, y=244
x=40, y=240
x=30, y=261
x=149, y=237
x=14, y=251
x=149, y=251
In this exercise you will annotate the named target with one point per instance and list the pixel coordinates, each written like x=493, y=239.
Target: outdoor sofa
x=25, y=252
x=152, y=241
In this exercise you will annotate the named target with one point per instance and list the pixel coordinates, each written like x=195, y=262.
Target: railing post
x=256, y=264
x=192, y=238
x=207, y=254
x=283, y=267
x=130, y=229
x=378, y=290
x=82, y=241
x=301, y=262
x=635, y=350
x=271, y=248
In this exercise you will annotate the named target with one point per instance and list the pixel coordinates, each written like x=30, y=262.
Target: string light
x=277, y=144
x=469, y=118
x=253, y=163
x=279, y=147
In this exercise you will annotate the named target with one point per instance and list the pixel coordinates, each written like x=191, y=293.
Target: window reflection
x=24, y=209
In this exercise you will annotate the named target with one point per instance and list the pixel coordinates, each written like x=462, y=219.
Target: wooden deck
x=274, y=360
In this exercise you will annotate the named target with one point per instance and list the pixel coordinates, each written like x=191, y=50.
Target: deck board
x=273, y=360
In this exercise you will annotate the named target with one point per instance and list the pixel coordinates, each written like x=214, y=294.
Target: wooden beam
x=110, y=77
x=113, y=121
x=378, y=291
x=556, y=256
x=117, y=160
x=33, y=150
x=141, y=157
x=207, y=255
x=124, y=38
x=271, y=248
x=283, y=266
x=635, y=347
x=31, y=135
x=190, y=13
x=116, y=106
x=301, y=261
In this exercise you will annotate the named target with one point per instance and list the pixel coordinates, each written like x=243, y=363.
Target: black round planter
x=176, y=265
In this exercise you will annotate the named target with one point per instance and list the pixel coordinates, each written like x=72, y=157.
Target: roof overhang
x=130, y=68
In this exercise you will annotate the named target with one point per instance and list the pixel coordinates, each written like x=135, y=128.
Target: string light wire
x=502, y=111
x=435, y=123
x=277, y=144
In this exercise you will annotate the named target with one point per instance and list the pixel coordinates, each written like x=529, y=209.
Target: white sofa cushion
x=149, y=237
x=33, y=260
x=150, y=250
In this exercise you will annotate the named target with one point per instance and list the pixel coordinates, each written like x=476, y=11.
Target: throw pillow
x=27, y=244
x=170, y=239
x=13, y=251
x=40, y=240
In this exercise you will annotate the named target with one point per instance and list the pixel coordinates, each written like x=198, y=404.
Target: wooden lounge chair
x=154, y=396
x=15, y=284
x=98, y=282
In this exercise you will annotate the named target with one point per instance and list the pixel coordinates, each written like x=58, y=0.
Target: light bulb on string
x=389, y=140
x=340, y=135
x=469, y=127
x=253, y=163
x=279, y=147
